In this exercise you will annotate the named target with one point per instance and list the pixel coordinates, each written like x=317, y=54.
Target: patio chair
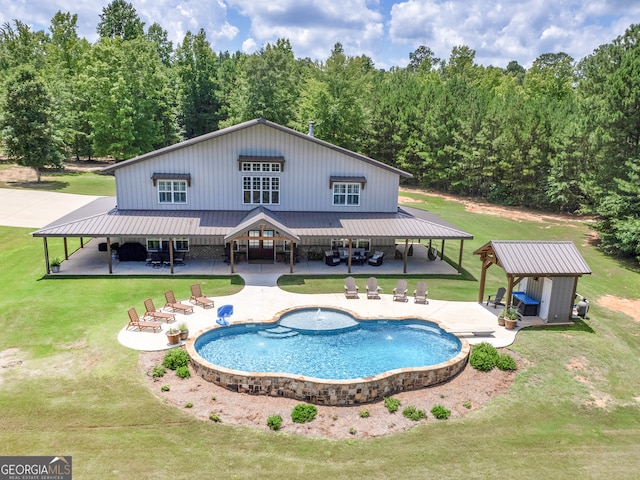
x=373, y=290
x=376, y=259
x=174, y=305
x=497, y=297
x=400, y=292
x=350, y=288
x=155, y=314
x=136, y=322
x=199, y=298
x=420, y=293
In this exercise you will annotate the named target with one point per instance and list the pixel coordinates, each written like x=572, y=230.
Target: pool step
x=278, y=332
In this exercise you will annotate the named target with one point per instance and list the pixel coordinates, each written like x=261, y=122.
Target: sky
x=385, y=30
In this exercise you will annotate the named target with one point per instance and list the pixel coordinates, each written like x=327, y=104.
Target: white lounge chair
x=350, y=288
x=420, y=293
x=400, y=292
x=373, y=290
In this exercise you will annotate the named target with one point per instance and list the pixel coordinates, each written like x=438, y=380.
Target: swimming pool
x=328, y=356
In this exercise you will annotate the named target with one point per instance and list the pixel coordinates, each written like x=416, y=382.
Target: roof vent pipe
x=311, y=129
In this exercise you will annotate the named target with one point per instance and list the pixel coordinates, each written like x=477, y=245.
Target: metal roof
x=544, y=258
x=251, y=123
x=114, y=222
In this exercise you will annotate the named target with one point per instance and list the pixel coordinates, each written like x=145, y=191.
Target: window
x=355, y=243
x=346, y=194
x=172, y=191
x=261, y=167
x=159, y=244
x=261, y=190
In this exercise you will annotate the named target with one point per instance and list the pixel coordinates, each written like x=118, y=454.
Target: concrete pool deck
x=261, y=299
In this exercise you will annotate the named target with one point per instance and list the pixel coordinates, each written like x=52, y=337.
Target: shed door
x=545, y=301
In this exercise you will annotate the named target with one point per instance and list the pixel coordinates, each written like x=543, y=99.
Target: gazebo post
x=442, y=251
x=66, y=248
x=46, y=256
x=109, y=255
x=460, y=256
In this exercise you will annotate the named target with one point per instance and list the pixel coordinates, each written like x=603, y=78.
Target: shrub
x=392, y=404
x=274, y=422
x=466, y=404
x=484, y=357
x=303, y=413
x=364, y=413
x=412, y=413
x=506, y=362
x=159, y=371
x=440, y=412
x=176, y=358
x=188, y=405
x=165, y=388
x=213, y=399
x=214, y=417
x=183, y=372
x=352, y=431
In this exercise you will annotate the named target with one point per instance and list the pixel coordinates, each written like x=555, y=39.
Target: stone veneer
x=329, y=392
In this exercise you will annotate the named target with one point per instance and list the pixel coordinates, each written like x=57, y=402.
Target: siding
x=216, y=182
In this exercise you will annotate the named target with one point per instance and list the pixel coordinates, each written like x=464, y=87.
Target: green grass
x=78, y=183
x=78, y=392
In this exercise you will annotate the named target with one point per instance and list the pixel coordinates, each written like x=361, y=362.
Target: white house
x=252, y=191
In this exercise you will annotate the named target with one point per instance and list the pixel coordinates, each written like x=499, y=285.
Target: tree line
x=561, y=135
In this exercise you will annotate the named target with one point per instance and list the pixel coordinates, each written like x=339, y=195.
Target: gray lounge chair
x=497, y=298
x=350, y=288
x=400, y=292
x=420, y=293
x=373, y=290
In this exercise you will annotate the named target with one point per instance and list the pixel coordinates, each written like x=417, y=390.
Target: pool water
x=345, y=350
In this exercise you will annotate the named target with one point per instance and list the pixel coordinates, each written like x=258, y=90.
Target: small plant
x=506, y=362
x=158, y=371
x=183, y=372
x=392, y=404
x=183, y=327
x=176, y=357
x=364, y=414
x=303, y=413
x=412, y=413
x=466, y=404
x=440, y=412
x=165, y=388
x=483, y=357
x=352, y=431
x=213, y=399
x=274, y=422
x=511, y=313
x=188, y=405
x=55, y=262
x=214, y=417
x=334, y=418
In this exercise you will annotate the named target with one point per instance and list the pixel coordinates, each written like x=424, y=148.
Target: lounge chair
x=136, y=322
x=400, y=292
x=350, y=288
x=155, y=314
x=497, y=298
x=420, y=293
x=199, y=298
x=373, y=290
x=174, y=305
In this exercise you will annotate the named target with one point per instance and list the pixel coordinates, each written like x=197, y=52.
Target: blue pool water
x=328, y=345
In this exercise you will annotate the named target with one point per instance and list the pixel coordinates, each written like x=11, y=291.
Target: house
x=547, y=273
x=256, y=191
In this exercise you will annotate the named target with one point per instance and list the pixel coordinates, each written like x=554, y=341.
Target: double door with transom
x=261, y=247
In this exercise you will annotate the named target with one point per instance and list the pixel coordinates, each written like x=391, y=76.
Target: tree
x=196, y=65
x=157, y=35
x=119, y=19
x=26, y=129
x=422, y=58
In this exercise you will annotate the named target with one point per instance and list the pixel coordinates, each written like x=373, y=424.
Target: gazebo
x=547, y=273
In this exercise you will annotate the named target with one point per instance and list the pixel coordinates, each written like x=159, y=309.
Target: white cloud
x=249, y=45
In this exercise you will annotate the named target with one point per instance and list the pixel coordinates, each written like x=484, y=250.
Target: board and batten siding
x=216, y=181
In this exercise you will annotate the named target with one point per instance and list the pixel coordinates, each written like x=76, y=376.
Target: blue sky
x=385, y=30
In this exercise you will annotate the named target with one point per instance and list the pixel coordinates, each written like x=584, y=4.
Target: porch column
x=46, y=256
x=171, y=254
x=81, y=242
x=109, y=255
x=406, y=252
x=231, y=259
x=483, y=279
x=291, y=257
x=350, y=252
x=460, y=256
x=442, y=251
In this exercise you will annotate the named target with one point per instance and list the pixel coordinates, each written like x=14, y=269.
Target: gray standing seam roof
x=542, y=258
x=222, y=223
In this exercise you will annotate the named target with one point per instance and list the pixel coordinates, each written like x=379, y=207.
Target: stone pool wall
x=329, y=392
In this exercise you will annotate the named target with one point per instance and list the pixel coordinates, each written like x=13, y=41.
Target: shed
x=547, y=273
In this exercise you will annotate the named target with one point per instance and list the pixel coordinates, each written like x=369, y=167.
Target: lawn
x=69, y=388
